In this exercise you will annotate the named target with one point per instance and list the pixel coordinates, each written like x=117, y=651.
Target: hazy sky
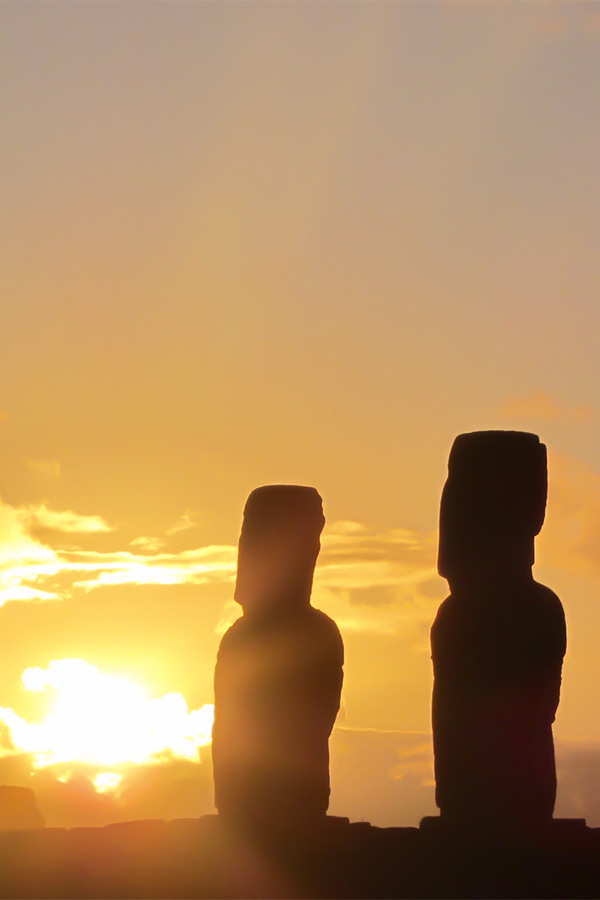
x=255, y=242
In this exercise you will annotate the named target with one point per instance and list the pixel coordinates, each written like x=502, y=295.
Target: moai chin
x=278, y=675
x=498, y=640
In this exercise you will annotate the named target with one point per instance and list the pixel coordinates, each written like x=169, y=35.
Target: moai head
x=278, y=547
x=492, y=506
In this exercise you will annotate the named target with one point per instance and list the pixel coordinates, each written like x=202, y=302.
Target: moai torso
x=498, y=640
x=278, y=675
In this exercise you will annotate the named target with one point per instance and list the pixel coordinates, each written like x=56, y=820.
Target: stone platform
x=202, y=858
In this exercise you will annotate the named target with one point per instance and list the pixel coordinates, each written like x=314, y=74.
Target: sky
x=249, y=243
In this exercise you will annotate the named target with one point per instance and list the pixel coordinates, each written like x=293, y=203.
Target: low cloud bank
x=383, y=777
x=67, y=797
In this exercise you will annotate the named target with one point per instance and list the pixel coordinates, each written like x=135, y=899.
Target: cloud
x=68, y=798
x=21, y=592
x=346, y=538
x=361, y=568
x=41, y=516
x=368, y=580
x=105, y=720
x=378, y=581
x=21, y=553
x=27, y=564
x=45, y=466
x=105, y=751
x=538, y=405
x=148, y=543
x=16, y=544
x=196, y=566
x=355, y=557
x=186, y=522
x=384, y=777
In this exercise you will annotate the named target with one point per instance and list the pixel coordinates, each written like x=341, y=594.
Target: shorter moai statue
x=498, y=640
x=278, y=675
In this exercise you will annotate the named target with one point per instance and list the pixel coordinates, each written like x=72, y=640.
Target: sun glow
x=107, y=781
x=104, y=721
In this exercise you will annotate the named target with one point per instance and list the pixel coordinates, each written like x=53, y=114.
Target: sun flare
x=104, y=721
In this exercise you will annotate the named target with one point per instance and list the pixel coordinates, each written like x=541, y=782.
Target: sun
x=103, y=721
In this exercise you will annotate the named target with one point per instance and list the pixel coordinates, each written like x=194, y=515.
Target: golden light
x=106, y=781
x=103, y=721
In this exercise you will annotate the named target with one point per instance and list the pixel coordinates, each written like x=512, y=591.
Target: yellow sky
x=309, y=243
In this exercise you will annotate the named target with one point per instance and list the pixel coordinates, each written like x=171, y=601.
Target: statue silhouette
x=498, y=640
x=278, y=675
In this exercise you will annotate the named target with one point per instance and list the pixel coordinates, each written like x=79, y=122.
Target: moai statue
x=498, y=640
x=278, y=676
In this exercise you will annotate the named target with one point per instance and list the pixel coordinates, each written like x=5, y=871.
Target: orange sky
x=308, y=243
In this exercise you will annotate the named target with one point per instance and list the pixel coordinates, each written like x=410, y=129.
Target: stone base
x=439, y=825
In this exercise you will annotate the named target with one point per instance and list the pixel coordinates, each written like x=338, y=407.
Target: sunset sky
x=249, y=243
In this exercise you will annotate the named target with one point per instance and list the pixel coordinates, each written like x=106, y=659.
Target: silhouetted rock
x=498, y=640
x=18, y=808
x=278, y=675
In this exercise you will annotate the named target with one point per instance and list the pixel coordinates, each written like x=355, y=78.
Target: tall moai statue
x=498, y=640
x=278, y=676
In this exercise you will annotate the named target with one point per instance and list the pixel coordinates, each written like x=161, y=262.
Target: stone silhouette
x=498, y=640
x=278, y=675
